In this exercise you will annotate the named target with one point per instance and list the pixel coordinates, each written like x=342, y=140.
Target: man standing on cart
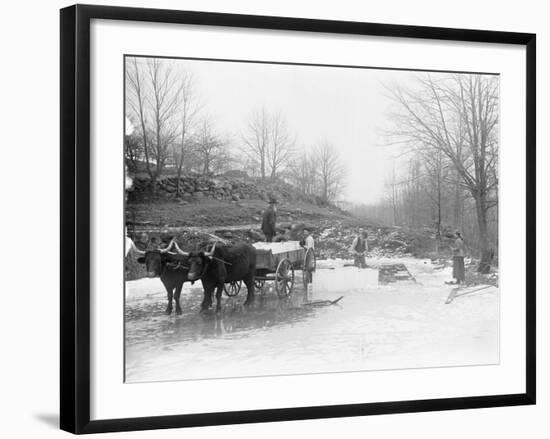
x=269, y=220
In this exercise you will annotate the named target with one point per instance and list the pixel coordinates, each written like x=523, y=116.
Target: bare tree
x=303, y=172
x=330, y=170
x=392, y=184
x=458, y=116
x=435, y=172
x=188, y=110
x=153, y=99
x=280, y=148
x=256, y=140
x=267, y=143
x=210, y=149
x=136, y=93
x=164, y=102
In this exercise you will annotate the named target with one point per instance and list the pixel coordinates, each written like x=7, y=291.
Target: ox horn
x=211, y=252
x=167, y=249
x=179, y=250
x=135, y=249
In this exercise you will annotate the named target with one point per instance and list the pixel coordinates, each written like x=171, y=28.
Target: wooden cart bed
x=269, y=254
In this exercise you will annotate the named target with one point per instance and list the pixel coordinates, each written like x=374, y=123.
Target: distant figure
x=358, y=249
x=307, y=240
x=458, y=258
x=269, y=220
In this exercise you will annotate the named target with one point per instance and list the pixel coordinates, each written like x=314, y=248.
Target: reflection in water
x=146, y=321
x=237, y=341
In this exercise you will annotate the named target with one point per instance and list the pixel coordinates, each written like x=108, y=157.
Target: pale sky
x=345, y=106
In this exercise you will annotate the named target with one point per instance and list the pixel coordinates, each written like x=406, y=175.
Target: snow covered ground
x=399, y=325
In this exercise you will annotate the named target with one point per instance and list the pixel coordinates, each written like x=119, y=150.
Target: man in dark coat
x=358, y=249
x=269, y=220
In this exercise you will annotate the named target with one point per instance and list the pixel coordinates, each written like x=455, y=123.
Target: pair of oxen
x=213, y=268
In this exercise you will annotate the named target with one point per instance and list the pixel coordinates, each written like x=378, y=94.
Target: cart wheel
x=232, y=289
x=284, y=278
x=308, y=266
x=259, y=284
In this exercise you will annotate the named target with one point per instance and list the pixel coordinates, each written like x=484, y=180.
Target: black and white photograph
x=262, y=219
x=288, y=219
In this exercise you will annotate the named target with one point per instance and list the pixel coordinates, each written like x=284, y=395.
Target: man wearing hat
x=269, y=219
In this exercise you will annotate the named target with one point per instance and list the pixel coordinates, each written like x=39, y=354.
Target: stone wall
x=193, y=187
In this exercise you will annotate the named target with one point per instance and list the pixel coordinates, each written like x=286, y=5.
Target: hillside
x=219, y=201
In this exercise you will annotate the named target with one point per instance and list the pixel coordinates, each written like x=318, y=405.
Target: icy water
x=400, y=325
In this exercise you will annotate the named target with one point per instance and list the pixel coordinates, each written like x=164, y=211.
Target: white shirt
x=309, y=242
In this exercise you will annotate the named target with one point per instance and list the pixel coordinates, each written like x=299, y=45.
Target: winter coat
x=459, y=247
x=268, y=221
x=359, y=245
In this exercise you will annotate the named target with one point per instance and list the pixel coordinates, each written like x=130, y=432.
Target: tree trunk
x=438, y=216
x=439, y=170
x=457, y=208
x=262, y=167
x=485, y=251
x=179, y=163
x=178, y=182
x=154, y=184
x=394, y=204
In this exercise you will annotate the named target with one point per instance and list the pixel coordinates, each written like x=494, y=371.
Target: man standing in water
x=358, y=249
x=269, y=220
x=458, y=258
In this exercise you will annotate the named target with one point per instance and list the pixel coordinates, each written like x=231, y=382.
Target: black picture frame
x=75, y=217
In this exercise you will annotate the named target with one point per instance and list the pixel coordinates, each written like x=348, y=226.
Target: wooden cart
x=277, y=262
